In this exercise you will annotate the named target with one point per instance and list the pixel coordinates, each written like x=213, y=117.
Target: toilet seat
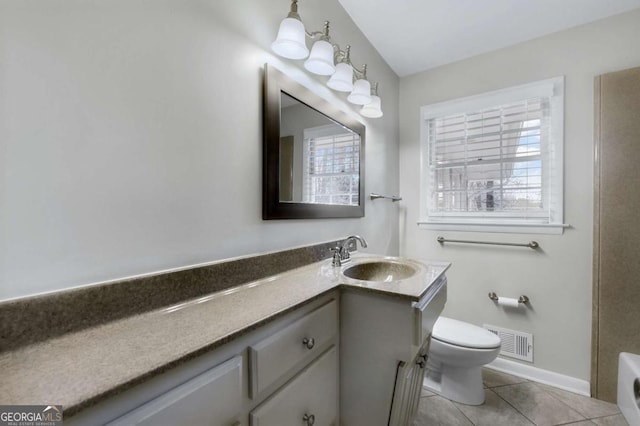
x=462, y=334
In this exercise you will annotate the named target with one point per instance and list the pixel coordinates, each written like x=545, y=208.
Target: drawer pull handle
x=422, y=361
x=309, y=343
x=309, y=418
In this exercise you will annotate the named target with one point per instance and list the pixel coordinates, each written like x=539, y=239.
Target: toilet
x=457, y=352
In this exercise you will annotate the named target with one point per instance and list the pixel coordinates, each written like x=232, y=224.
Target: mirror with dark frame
x=313, y=154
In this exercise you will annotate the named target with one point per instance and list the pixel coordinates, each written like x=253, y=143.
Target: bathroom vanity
x=311, y=346
x=266, y=377
x=384, y=346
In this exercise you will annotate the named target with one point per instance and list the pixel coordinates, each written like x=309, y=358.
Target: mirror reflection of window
x=319, y=158
x=331, y=166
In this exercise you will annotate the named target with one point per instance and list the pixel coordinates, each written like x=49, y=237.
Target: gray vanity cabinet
x=311, y=398
x=274, y=374
x=212, y=397
x=351, y=357
x=383, y=341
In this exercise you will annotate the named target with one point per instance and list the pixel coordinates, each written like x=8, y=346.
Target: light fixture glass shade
x=361, y=94
x=372, y=109
x=291, y=40
x=321, y=58
x=342, y=79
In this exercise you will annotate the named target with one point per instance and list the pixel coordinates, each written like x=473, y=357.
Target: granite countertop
x=81, y=368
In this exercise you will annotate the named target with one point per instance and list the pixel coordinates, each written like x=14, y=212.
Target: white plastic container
x=629, y=387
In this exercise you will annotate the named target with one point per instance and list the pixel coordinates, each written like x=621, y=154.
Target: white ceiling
x=415, y=35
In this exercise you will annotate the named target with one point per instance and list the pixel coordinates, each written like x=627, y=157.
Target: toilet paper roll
x=508, y=301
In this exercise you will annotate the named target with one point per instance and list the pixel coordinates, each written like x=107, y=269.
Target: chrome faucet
x=341, y=253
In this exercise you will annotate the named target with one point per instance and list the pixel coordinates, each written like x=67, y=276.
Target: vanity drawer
x=311, y=398
x=271, y=358
x=213, y=396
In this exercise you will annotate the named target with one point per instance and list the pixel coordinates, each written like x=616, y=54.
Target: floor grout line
x=606, y=415
x=562, y=402
x=507, y=384
x=462, y=412
x=514, y=407
x=541, y=389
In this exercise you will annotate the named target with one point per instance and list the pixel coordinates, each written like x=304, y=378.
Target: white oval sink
x=380, y=271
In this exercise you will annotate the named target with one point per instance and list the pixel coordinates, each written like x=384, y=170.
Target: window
x=493, y=162
x=331, y=166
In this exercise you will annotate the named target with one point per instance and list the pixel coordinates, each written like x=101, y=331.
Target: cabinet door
x=408, y=388
x=212, y=398
x=311, y=398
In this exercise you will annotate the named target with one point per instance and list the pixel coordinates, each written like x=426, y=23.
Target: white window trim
x=552, y=88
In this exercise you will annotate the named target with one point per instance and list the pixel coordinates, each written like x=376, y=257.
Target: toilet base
x=463, y=385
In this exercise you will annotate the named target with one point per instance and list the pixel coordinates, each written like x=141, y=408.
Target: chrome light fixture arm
x=341, y=55
x=293, y=12
x=345, y=57
x=324, y=58
x=360, y=74
x=374, y=89
x=320, y=35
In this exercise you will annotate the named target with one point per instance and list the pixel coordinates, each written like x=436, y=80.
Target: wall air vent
x=515, y=344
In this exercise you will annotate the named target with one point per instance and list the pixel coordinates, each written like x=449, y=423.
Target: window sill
x=509, y=228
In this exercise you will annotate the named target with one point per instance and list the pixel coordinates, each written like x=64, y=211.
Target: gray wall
x=131, y=137
x=558, y=277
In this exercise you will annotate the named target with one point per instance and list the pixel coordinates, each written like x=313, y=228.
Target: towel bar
x=530, y=244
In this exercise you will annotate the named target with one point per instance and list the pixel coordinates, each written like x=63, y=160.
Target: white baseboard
x=546, y=377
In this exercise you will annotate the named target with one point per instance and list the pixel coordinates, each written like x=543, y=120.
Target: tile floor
x=513, y=401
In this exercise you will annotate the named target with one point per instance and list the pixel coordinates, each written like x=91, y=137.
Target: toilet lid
x=460, y=333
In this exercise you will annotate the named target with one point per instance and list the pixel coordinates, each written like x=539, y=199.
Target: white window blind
x=497, y=162
x=331, y=166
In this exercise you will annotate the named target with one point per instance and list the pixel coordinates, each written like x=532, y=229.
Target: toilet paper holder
x=521, y=299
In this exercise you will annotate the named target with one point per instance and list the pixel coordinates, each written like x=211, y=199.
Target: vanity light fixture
x=290, y=42
x=373, y=109
x=361, y=94
x=321, y=58
x=342, y=79
x=325, y=54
